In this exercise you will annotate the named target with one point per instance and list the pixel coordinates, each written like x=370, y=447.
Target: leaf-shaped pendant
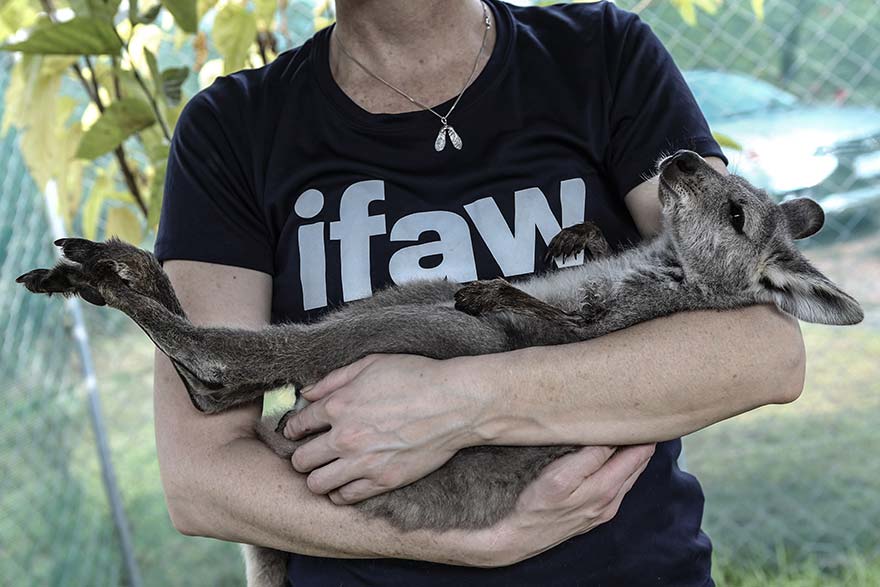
x=453, y=136
x=440, y=143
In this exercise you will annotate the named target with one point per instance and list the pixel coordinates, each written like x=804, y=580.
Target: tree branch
x=93, y=92
x=137, y=76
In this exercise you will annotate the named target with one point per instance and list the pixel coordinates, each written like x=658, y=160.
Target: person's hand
x=390, y=420
x=573, y=495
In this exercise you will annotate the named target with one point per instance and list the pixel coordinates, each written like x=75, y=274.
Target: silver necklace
x=446, y=129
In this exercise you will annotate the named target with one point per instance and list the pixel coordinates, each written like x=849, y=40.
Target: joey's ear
x=804, y=217
x=799, y=289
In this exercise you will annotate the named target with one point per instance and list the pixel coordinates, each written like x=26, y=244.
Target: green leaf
x=153, y=66
x=157, y=191
x=118, y=122
x=102, y=9
x=184, y=13
x=91, y=214
x=172, y=80
x=80, y=36
x=235, y=29
x=125, y=224
x=47, y=142
x=14, y=15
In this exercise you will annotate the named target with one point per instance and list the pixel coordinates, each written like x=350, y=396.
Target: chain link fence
x=783, y=485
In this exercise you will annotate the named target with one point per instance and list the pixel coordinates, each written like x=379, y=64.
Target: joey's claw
x=575, y=239
x=34, y=281
x=78, y=249
x=58, y=280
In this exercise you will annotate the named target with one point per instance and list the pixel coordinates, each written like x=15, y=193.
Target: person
x=410, y=141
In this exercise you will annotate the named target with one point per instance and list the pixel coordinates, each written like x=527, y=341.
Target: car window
x=724, y=95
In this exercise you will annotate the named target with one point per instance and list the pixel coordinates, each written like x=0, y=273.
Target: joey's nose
x=686, y=162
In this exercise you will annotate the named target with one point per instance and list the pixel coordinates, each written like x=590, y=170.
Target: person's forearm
x=248, y=495
x=221, y=482
x=654, y=381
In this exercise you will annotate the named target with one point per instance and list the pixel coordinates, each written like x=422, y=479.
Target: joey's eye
x=737, y=218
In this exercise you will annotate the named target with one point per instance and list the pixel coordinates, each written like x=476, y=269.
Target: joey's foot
x=481, y=297
x=63, y=279
x=575, y=239
x=96, y=271
x=115, y=261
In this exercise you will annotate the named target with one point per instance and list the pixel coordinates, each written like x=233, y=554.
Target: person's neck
x=387, y=35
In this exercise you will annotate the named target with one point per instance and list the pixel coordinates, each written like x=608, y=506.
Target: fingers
x=336, y=379
x=610, y=510
x=310, y=420
x=355, y=491
x=331, y=477
x=626, y=464
x=314, y=454
x=563, y=476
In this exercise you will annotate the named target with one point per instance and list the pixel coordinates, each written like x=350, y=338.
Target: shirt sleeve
x=210, y=211
x=652, y=111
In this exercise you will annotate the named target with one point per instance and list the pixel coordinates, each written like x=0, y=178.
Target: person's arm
x=651, y=382
x=221, y=481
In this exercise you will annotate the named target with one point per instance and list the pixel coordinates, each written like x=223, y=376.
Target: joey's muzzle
x=681, y=163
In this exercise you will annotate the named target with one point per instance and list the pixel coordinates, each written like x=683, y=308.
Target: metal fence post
x=108, y=474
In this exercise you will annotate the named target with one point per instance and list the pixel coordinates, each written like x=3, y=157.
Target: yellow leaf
x=758, y=8
x=321, y=7
x=322, y=22
x=125, y=224
x=235, y=30
x=727, y=141
x=265, y=10
x=708, y=6
x=145, y=36
x=15, y=15
x=210, y=71
x=687, y=10
x=91, y=213
x=323, y=15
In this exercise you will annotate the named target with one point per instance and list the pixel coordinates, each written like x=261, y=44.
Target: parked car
x=790, y=148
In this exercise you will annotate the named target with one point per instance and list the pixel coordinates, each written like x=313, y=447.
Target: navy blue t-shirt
x=276, y=169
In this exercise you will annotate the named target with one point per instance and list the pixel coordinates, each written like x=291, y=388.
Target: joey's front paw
x=481, y=297
x=575, y=239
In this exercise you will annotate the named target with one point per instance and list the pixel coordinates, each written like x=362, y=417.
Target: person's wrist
x=478, y=405
x=486, y=548
x=495, y=419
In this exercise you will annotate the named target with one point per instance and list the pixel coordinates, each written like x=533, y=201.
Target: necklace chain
x=440, y=143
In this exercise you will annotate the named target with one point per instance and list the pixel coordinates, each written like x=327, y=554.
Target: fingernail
x=307, y=389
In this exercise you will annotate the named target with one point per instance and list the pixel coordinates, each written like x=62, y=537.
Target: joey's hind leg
x=570, y=241
x=131, y=280
x=139, y=269
x=497, y=295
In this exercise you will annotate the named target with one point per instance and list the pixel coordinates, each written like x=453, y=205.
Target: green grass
x=856, y=571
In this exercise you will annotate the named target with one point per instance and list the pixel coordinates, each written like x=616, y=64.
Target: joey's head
x=735, y=240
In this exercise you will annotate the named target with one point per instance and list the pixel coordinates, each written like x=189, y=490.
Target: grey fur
x=700, y=261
